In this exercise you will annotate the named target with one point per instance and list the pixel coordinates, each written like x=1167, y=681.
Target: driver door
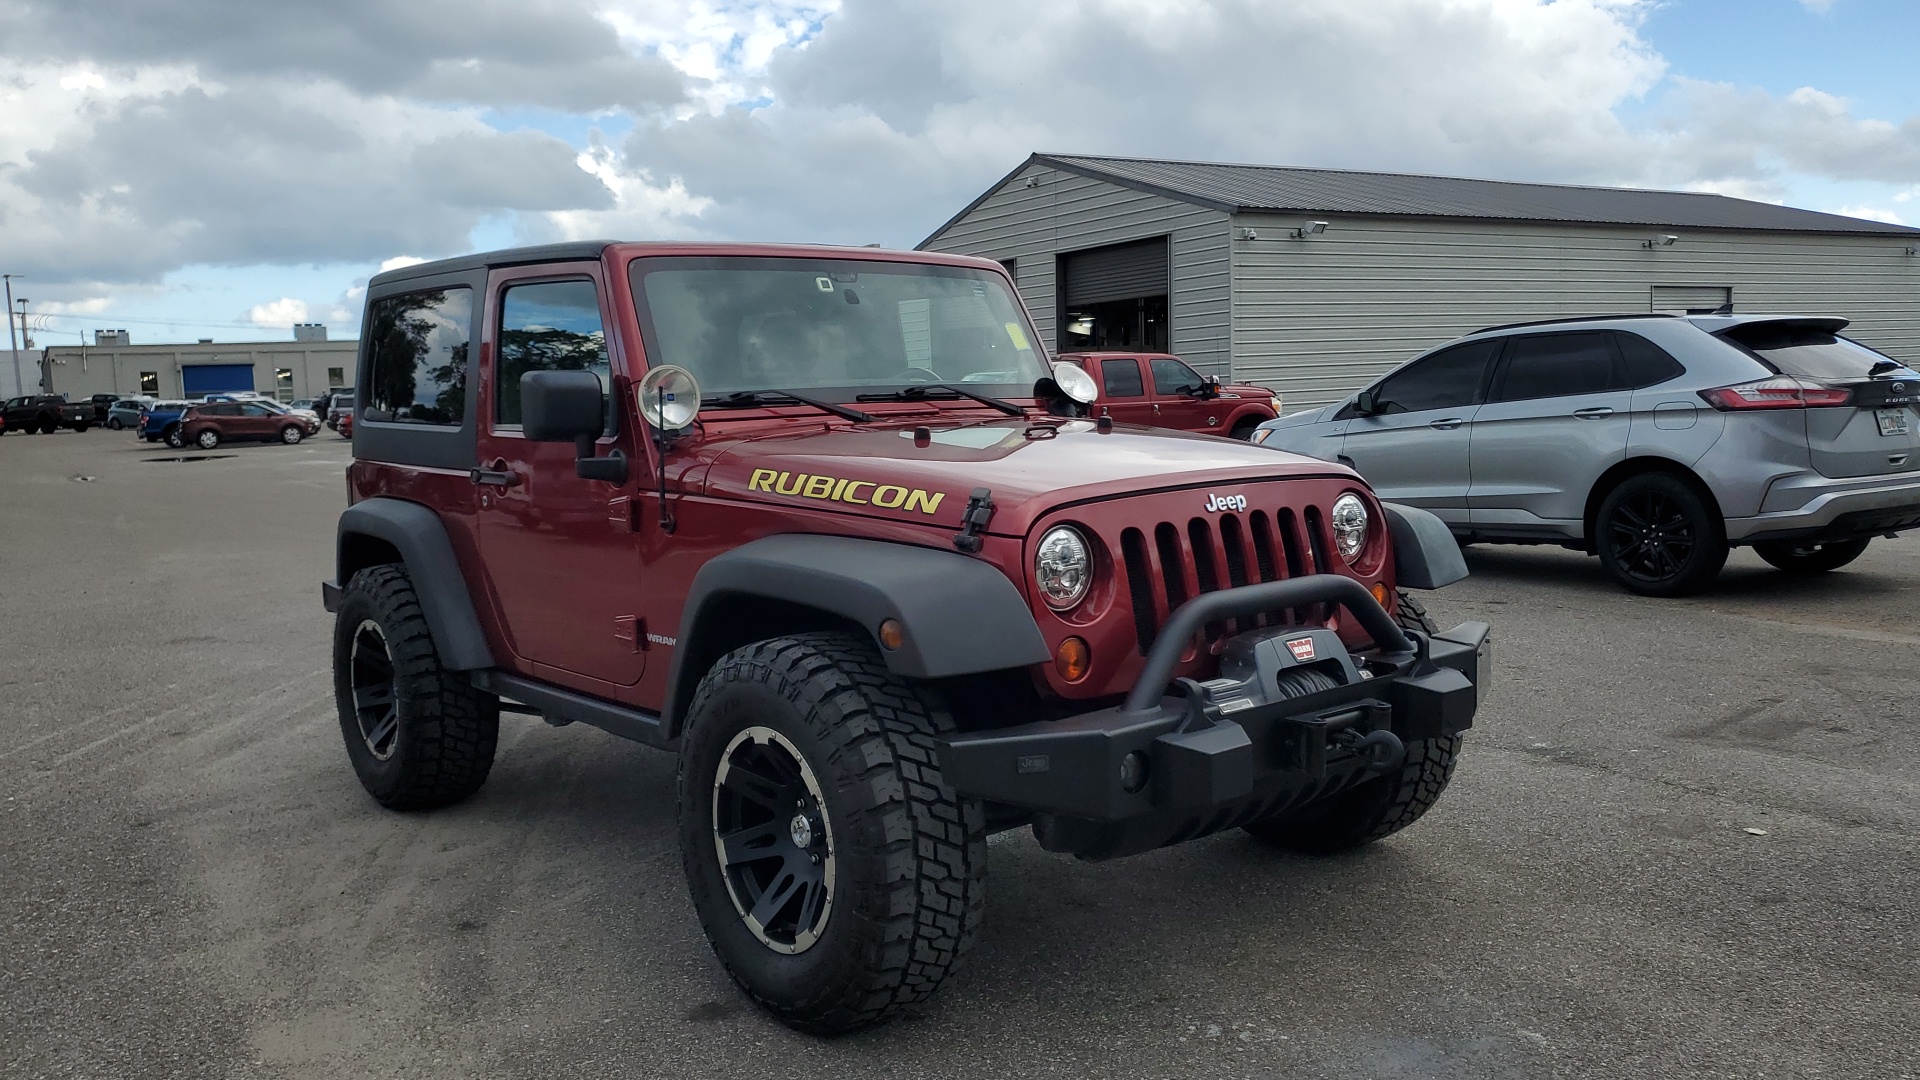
x=1414, y=448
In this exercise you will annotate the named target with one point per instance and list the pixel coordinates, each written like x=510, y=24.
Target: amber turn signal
x=1380, y=593
x=892, y=634
x=1073, y=659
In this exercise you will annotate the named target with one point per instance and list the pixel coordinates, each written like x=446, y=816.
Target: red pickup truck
x=1161, y=390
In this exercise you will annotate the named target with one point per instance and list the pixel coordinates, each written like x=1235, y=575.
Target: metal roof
x=1233, y=188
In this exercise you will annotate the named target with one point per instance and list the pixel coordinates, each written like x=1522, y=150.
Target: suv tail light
x=1779, y=392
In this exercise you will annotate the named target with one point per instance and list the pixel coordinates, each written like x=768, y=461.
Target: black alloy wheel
x=376, y=708
x=774, y=840
x=1658, y=536
x=1812, y=556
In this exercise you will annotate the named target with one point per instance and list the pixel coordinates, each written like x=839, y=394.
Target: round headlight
x=1350, y=526
x=1074, y=382
x=1062, y=567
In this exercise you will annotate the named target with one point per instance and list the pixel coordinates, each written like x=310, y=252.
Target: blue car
x=125, y=413
x=163, y=417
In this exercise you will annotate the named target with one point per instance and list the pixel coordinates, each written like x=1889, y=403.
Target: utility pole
x=19, y=387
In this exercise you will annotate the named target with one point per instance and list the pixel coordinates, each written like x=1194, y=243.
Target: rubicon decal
x=1301, y=648
x=841, y=489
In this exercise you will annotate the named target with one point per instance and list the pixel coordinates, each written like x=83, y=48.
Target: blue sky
x=169, y=180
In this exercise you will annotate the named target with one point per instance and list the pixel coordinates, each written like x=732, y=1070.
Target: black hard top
x=537, y=253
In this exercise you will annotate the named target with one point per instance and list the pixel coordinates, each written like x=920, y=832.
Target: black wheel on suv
x=1373, y=808
x=1659, y=536
x=1810, y=556
x=837, y=875
x=419, y=736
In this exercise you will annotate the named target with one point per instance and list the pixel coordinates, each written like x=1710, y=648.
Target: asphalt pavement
x=1683, y=841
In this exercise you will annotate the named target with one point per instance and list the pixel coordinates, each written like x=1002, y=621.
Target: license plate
x=1894, y=421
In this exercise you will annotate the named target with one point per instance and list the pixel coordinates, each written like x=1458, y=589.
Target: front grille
x=1212, y=553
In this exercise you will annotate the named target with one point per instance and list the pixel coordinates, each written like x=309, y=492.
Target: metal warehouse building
x=1312, y=281
x=306, y=367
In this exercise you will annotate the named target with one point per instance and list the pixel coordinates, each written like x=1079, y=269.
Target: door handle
x=497, y=476
x=1595, y=413
x=1446, y=425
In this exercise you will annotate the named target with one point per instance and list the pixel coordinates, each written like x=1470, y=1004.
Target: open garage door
x=199, y=380
x=1115, y=297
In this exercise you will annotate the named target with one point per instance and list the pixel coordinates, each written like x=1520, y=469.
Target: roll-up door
x=1696, y=299
x=215, y=378
x=1120, y=272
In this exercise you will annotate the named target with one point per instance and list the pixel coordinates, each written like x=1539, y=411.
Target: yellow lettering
x=927, y=502
x=762, y=480
x=851, y=493
x=799, y=482
x=839, y=487
x=818, y=487
x=889, y=496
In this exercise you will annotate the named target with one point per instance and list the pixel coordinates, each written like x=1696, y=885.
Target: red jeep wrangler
x=1161, y=390
x=827, y=525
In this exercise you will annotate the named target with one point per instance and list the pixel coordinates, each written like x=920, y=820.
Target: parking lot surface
x=1683, y=842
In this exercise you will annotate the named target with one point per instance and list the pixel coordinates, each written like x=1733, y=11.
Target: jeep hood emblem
x=1220, y=503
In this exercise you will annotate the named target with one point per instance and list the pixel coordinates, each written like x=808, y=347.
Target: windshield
x=834, y=327
x=1807, y=351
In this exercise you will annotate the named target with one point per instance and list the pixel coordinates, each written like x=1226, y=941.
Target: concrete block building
x=1314, y=281
x=305, y=367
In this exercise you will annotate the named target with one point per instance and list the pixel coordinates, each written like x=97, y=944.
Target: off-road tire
x=1373, y=808
x=1808, y=558
x=1706, y=552
x=446, y=731
x=48, y=427
x=207, y=439
x=291, y=435
x=909, y=882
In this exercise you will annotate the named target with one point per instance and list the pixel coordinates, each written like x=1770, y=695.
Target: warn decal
x=1301, y=648
x=840, y=489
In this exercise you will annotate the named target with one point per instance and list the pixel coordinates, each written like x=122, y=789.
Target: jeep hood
x=1031, y=466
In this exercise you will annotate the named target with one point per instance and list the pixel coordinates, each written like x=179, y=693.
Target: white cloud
x=399, y=261
x=281, y=313
x=91, y=305
x=1872, y=213
x=1819, y=7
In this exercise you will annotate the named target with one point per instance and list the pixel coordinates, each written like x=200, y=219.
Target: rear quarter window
x=417, y=357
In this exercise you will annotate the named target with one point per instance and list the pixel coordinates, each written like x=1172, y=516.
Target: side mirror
x=1366, y=404
x=569, y=406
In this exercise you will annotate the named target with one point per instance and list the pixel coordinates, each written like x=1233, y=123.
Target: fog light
x=892, y=634
x=1133, y=772
x=1073, y=659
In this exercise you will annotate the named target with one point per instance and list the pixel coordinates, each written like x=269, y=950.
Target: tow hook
x=1383, y=748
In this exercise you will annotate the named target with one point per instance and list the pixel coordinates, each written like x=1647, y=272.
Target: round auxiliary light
x=1075, y=383
x=669, y=397
x=1063, y=567
x=1350, y=526
x=1073, y=659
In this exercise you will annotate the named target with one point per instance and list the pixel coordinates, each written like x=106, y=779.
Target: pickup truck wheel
x=48, y=427
x=207, y=439
x=1812, y=557
x=419, y=736
x=1244, y=430
x=1658, y=536
x=1373, y=808
x=82, y=426
x=837, y=875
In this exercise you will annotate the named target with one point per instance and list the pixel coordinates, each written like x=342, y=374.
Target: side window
x=256, y=410
x=1642, y=363
x=1122, y=378
x=417, y=358
x=1556, y=365
x=1448, y=379
x=1174, y=377
x=549, y=326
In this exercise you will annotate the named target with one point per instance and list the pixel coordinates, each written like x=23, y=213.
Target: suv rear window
x=1807, y=351
x=417, y=357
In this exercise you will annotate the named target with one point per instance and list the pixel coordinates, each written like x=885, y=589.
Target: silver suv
x=1653, y=441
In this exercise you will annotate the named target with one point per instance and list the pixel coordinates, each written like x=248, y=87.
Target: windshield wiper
x=920, y=392
x=747, y=399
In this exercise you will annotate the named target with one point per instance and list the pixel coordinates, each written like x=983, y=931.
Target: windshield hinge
x=974, y=521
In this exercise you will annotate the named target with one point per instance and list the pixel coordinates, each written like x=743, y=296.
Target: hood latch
x=974, y=521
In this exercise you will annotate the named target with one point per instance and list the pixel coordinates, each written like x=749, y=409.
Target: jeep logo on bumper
x=1219, y=503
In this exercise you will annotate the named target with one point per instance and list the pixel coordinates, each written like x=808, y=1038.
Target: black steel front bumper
x=1292, y=717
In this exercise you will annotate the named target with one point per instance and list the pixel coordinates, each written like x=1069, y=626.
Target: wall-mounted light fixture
x=1249, y=234
x=1310, y=228
x=1913, y=251
x=1660, y=241
x=1032, y=182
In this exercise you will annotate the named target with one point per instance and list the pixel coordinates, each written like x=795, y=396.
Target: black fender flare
x=420, y=537
x=1425, y=554
x=961, y=615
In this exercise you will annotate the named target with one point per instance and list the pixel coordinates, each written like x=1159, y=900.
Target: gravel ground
x=1683, y=841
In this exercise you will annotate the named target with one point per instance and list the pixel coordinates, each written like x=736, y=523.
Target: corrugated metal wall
x=1062, y=213
x=1317, y=318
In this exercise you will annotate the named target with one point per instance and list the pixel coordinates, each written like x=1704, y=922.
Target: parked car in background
x=343, y=423
x=161, y=419
x=339, y=403
x=209, y=424
x=125, y=413
x=1162, y=390
x=1653, y=441
x=101, y=403
x=293, y=407
x=47, y=413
